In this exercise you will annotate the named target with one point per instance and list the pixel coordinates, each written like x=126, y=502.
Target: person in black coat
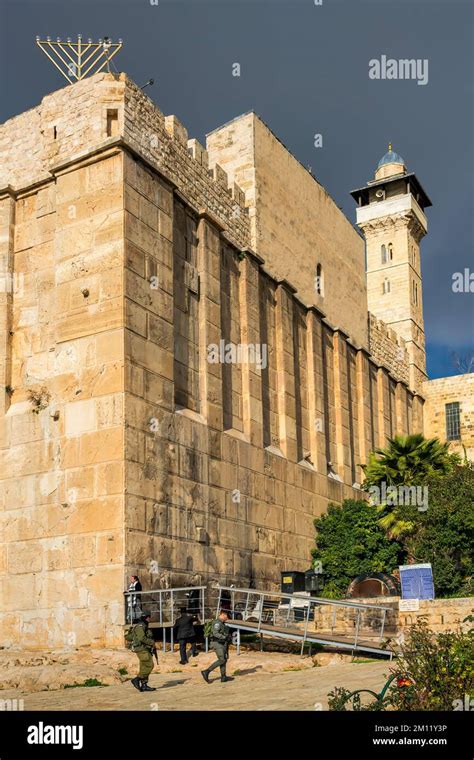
x=135, y=599
x=184, y=634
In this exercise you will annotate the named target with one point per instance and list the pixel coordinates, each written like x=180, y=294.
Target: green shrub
x=434, y=672
x=350, y=541
x=444, y=534
x=438, y=667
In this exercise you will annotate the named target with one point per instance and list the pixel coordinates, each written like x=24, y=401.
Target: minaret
x=391, y=215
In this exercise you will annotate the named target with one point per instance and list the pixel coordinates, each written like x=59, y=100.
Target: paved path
x=251, y=690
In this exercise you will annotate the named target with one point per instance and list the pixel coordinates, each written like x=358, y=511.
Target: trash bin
x=292, y=581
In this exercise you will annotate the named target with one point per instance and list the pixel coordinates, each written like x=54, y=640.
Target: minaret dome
x=390, y=165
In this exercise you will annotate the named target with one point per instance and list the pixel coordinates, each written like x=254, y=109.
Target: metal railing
x=300, y=617
x=164, y=605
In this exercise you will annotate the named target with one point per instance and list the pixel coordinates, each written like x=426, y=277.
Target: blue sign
x=417, y=581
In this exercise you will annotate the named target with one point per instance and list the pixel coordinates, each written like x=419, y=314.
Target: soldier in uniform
x=144, y=646
x=220, y=640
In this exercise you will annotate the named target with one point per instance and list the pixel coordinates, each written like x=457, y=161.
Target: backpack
x=208, y=628
x=130, y=639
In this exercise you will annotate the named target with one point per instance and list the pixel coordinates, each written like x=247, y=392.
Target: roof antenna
x=150, y=82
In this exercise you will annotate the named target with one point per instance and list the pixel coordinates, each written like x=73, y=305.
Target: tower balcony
x=398, y=206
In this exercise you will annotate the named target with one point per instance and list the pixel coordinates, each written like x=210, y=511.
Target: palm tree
x=407, y=461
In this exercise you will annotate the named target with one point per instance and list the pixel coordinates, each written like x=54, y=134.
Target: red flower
x=403, y=681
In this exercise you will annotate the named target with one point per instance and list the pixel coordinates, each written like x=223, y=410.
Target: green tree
x=350, y=541
x=409, y=460
x=444, y=534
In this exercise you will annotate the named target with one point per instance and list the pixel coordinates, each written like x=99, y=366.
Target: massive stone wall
x=295, y=224
x=228, y=464
x=61, y=457
x=123, y=448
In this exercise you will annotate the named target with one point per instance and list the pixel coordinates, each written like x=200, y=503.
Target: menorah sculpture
x=75, y=60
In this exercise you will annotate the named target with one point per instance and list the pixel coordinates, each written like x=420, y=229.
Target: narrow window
x=112, y=122
x=390, y=252
x=55, y=133
x=453, y=421
x=384, y=254
x=318, y=281
x=386, y=286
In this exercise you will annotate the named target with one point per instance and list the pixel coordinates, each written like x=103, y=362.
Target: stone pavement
x=254, y=688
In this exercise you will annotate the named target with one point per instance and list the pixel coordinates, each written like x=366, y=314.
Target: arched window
x=390, y=252
x=319, y=281
x=386, y=286
x=384, y=254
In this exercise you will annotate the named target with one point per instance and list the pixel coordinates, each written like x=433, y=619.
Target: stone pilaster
x=401, y=420
x=8, y=284
x=285, y=370
x=318, y=422
x=383, y=407
x=341, y=404
x=250, y=330
x=364, y=407
x=209, y=264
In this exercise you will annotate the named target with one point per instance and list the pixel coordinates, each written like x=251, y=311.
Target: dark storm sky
x=304, y=70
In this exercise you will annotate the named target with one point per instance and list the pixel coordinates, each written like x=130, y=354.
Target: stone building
x=190, y=373
x=448, y=412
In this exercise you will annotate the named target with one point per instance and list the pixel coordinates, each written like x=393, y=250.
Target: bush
x=341, y=700
x=444, y=534
x=434, y=672
x=350, y=541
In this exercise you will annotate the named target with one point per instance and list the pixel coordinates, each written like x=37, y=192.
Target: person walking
x=220, y=640
x=143, y=644
x=184, y=634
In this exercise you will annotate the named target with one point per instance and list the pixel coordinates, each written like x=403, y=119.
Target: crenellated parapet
x=389, y=349
x=109, y=110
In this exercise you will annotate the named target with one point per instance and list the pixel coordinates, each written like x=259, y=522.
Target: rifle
x=155, y=655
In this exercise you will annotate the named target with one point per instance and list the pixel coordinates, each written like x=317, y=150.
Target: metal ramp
x=340, y=624
x=310, y=620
